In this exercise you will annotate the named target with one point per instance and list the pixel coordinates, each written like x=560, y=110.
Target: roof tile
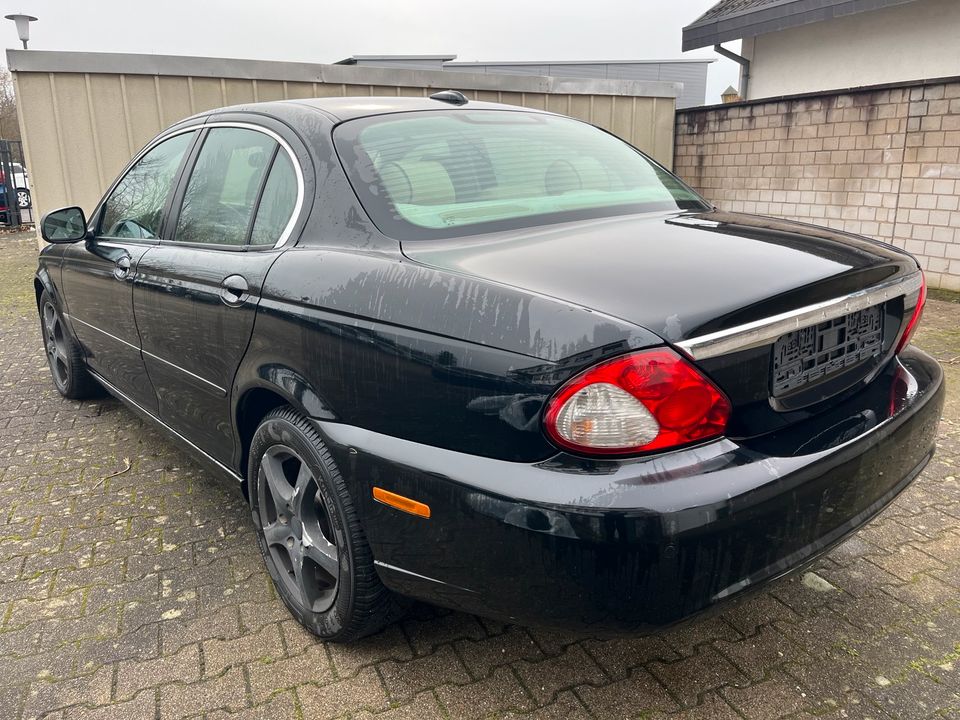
x=725, y=8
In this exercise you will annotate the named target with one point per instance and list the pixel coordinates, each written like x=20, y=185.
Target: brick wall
x=882, y=162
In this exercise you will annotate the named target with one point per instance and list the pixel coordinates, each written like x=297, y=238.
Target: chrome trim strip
x=73, y=318
x=126, y=398
x=216, y=387
x=285, y=235
x=121, y=244
x=760, y=332
x=126, y=170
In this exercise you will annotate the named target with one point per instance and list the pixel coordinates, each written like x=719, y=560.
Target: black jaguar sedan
x=492, y=358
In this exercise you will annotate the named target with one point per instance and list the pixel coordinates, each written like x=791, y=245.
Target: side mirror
x=66, y=225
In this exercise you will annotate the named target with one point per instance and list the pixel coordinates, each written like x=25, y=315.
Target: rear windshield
x=443, y=174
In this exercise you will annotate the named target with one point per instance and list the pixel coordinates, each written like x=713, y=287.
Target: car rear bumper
x=631, y=546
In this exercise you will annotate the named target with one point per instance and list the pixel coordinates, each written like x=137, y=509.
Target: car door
x=98, y=274
x=196, y=294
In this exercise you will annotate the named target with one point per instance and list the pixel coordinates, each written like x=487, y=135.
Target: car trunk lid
x=686, y=276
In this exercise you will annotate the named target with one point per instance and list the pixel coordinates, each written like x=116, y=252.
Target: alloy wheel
x=56, y=345
x=297, y=530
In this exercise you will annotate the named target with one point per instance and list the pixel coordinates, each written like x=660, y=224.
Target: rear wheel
x=309, y=534
x=67, y=367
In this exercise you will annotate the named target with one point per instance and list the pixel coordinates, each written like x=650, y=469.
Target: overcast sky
x=326, y=31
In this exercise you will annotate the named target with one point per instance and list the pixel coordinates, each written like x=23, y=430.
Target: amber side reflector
x=401, y=503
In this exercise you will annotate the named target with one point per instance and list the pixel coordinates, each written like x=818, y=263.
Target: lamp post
x=23, y=26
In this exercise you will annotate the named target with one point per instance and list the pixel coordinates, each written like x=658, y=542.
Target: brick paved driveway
x=141, y=594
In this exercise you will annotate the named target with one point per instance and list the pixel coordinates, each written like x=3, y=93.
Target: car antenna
x=454, y=97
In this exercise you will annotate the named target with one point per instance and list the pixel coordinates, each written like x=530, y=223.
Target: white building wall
x=915, y=41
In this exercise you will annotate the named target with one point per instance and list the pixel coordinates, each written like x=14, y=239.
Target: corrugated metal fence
x=83, y=115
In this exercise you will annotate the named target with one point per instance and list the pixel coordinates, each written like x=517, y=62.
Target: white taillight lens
x=605, y=416
x=645, y=401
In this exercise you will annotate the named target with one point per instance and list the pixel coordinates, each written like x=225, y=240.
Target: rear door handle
x=121, y=268
x=233, y=290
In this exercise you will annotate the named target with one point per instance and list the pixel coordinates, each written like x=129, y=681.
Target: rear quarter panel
x=437, y=358
x=350, y=330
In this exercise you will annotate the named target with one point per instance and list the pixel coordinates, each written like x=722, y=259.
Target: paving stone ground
x=140, y=593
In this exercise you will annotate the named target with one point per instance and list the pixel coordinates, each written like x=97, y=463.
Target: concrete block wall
x=882, y=162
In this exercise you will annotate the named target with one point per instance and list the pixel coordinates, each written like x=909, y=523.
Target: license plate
x=814, y=353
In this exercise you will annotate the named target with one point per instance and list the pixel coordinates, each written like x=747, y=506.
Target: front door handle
x=121, y=268
x=233, y=290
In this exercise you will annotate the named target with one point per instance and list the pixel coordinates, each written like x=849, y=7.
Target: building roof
x=46, y=61
x=689, y=73
x=349, y=108
x=495, y=63
x=353, y=59
x=450, y=60
x=736, y=19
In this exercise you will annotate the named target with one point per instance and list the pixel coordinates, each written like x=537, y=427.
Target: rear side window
x=441, y=174
x=219, y=200
x=135, y=207
x=277, y=203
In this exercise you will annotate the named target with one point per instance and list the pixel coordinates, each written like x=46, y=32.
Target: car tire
x=68, y=368
x=24, y=201
x=309, y=535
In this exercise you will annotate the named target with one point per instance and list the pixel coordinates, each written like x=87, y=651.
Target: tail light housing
x=645, y=401
x=917, y=314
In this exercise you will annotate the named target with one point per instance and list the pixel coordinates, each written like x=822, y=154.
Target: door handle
x=121, y=268
x=233, y=290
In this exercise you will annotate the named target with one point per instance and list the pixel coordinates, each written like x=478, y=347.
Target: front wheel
x=67, y=366
x=309, y=534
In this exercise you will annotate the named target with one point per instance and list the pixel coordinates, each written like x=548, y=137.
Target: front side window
x=223, y=188
x=442, y=174
x=135, y=207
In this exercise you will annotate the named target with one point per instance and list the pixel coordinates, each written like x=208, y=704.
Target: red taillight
x=651, y=400
x=917, y=313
